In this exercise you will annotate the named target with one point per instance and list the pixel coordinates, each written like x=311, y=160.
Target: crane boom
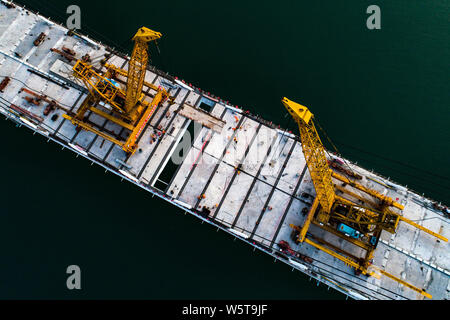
x=335, y=210
x=97, y=84
x=314, y=154
x=129, y=109
x=138, y=65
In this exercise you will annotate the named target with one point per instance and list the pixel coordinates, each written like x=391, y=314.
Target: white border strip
x=183, y=85
x=238, y=233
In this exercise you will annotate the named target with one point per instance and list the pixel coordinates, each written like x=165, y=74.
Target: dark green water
x=379, y=94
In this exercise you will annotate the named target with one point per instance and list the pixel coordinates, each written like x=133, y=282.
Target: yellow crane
x=338, y=215
x=128, y=108
x=138, y=66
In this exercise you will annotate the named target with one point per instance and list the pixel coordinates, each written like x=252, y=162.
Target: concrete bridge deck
x=248, y=177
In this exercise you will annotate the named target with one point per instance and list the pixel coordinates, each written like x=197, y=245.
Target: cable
x=420, y=178
x=396, y=161
x=351, y=177
x=25, y=85
x=442, y=220
x=387, y=159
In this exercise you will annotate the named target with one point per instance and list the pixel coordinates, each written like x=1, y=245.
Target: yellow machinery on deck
x=338, y=215
x=125, y=108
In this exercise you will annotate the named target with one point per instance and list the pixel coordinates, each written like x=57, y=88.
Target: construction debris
x=39, y=39
x=4, y=83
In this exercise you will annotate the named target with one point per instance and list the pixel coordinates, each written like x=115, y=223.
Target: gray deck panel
x=198, y=180
x=84, y=138
x=258, y=150
x=100, y=147
x=271, y=218
x=42, y=57
x=15, y=31
x=8, y=17
x=116, y=153
x=217, y=187
x=244, y=136
x=277, y=158
x=253, y=207
x=219, y=142
x=66, y=131
x=294, y=215
x=291, y=173
x=96, y=119
x=234, y=198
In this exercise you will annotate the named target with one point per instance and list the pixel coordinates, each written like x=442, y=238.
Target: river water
x=380, y=95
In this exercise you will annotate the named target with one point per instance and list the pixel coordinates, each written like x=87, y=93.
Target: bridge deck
x=249, y=176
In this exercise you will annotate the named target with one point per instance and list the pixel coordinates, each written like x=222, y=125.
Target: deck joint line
x=224, y=152
x=288, y=207
x=255, y=179
x=230, y=184
x=194, y=165
x=272, y=191
x=160, y=139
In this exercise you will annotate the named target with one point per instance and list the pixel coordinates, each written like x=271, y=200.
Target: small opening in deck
x=170, y=170
x=205, y=107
